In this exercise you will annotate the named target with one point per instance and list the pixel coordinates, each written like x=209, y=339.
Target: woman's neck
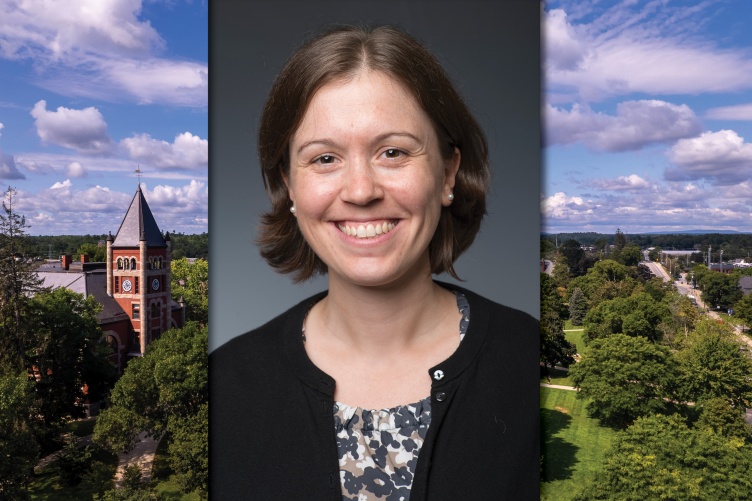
x=387, y=317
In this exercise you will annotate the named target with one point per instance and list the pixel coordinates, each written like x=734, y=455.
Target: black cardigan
x=272, y=426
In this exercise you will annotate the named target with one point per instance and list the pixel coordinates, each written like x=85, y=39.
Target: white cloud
x=636, y=124
x=562, y=49
x=1, y=128
x=8, y=168
x=736, y=112
x=185, y=152
x=64, y=185
x=633, y=182
x=722, y=157
x=83, y=130
x=96, y=48
x=639, y=47
x=75, y=169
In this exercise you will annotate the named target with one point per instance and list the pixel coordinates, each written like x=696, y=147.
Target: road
x=687, y=290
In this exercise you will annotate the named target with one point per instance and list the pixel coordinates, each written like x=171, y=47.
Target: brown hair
x=341, y=53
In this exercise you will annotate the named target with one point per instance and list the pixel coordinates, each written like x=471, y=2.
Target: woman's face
x=368, y=181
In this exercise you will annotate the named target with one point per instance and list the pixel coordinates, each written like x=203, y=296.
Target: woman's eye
x=324, y=159
x=392, y=153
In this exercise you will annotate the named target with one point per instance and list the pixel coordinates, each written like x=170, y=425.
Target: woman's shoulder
x=495, y=312
x=261, y=341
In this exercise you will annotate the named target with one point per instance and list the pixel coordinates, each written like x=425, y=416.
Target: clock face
x=155, y=284
x=127, y=285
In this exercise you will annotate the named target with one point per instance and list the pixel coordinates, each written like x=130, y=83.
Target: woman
x=389, y=385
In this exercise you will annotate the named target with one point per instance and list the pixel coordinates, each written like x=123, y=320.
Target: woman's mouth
x=366, y=230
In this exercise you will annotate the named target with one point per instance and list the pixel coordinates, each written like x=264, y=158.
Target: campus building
x=133, y=286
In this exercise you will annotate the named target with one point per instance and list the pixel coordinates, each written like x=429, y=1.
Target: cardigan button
x=441, y=396
x=438, y=375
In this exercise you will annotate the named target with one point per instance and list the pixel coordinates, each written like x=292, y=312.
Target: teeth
x=369, y=230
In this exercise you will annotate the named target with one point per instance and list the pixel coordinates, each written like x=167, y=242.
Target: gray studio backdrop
x=490, y=49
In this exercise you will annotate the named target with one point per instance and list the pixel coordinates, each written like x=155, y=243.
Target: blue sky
x=91, y=90
x=648, y=115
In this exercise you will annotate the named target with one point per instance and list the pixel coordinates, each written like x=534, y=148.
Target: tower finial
x=138, y=172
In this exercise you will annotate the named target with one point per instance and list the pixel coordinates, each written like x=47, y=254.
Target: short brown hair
x=340, y=53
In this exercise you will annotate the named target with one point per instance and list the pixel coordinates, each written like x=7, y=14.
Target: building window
x=136, y=285
x=156, y=309
x=120, y=263
x=133, y=263
x=136, y=311
x=117, y=283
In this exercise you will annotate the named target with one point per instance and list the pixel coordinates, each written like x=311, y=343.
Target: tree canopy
x=625, y=378
x=165, y=393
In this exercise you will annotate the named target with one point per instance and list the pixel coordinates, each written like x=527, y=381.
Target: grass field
x=573, y=445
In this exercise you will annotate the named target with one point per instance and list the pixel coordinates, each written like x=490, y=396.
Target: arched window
x=133, y=263
x=120, y=263
x=126, y=264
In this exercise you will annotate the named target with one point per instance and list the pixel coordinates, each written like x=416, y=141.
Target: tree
x=719, y=417
x=743, y=309
x=578, y=306
x=625, y=378
x=636, y=315
x=68, y=352
x=165, y=393
x=554, y=347
x=191, y=281
x=18, y=447
x=714, y=366
x=93, y=251
x=561, y=273
x=684, y=316
x=620, y=241
x=660, y=457
x=18, y=282
x=631, y=255
x=719, y=289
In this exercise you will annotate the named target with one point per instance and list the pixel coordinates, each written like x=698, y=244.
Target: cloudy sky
x=648, y=115
x=91, y=90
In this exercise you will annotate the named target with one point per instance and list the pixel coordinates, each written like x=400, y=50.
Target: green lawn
x=81, y=427
x=573, y=445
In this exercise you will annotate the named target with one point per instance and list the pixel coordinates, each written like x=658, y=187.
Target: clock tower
x=138, y=274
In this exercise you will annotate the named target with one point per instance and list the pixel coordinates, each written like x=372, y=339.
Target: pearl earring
x=450, y=196
x=292, y=209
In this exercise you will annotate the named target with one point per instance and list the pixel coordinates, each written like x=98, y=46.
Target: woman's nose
x=361, y=184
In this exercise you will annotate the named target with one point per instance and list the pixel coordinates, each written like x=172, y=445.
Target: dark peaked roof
x=139, y=224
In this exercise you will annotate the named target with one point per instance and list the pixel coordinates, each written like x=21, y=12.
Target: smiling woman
x=390, y=385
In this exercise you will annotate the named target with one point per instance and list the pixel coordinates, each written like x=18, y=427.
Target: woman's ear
x=451, y=166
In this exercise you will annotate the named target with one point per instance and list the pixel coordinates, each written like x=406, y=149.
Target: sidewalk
x=142, y=454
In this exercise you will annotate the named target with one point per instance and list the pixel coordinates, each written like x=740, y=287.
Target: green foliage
x=719, y=417
x=714, y=366
x=67, y=352
x=719, y=289
x=99, y=477
x=607, y=279
x=166, y=390
x=578, y=306
x=191, y=281
x=73, y=463
x=631, y=255
x=18, y=447
x=189, y=245
x=743, y=309
x=554, y=347
x=636, y=315
x=18, y=282
x=683, y=318
x=95, y=252
x=660, y=457
x=626, y=377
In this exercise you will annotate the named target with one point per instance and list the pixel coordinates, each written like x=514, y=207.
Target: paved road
x=685, y=289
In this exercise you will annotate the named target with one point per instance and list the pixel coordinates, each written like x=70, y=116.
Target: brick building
x=133, y=286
